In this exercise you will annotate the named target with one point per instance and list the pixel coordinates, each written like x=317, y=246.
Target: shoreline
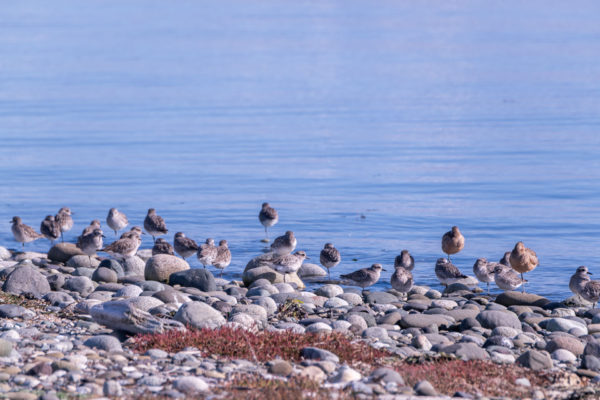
x=74, y=328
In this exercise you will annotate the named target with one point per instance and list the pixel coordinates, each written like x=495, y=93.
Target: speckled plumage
x=364, y=277
x=582, y=285
x=161, y=246
x=446, y=272
x=289, y=263
x=484, y=271
x=507, y=278
x=125, y=247
x=330, y=257
x=50, y=229
x=91, y=242
x=223, y=258
x=402, y=280
x=23, y=233
x=404, y=260
x=116, y=220
x=154, y=224
x=184, y=246
x=268, y=217
x=453, y=241
x=207, y=252
x=64, y=220
x=285, y=244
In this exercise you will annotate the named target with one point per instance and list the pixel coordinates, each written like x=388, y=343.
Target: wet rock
x=199, y=278
x=536, y=360
x=62, y=252
x=161, y=266
x=199, y=315
x=512, y=298
x=26, y=281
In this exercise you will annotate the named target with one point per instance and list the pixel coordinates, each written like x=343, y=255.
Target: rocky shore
x=72, y=327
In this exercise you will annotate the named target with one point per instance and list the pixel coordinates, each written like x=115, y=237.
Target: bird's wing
x=360, y=275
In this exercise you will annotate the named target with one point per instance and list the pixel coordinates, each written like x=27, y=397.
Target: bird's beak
x=103, y=236
x=383, y=269
x=307, y=257
x=144, y=233
x=589, y=273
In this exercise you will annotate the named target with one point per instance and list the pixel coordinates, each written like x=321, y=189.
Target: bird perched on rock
x=154, y=224
x=91, y=243
x=268, y=217
x=23, y=233
x=404, y=260
x=50, y=229
x=125, y=247
x=506, y=278
x=116, y=220
x=161, y=246
x=288, y=263
x=207, y=252
x=582, y=285
x=402, y=280
x=223, y=257
x=184, y=246
x=285, y=244
x=64, y=220
x=95, y=224
x=452, y=242
x=484, y=271
x=447, y=272
x=364, y=277
x=330, y=257
x=523, y=259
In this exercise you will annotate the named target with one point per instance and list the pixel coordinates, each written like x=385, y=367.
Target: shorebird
x=184, y=246
x=582, y=285
x=484, y=271
x=452, y=242
x=402, y=280
x=207, y=252
x=268, y=217
x=95, y=224
x=506, y=278
x=223, y=258
x=161, y=246
x=154, y=224
x=23, y=233
x=364, y=277
x=91, y=243
x=330, y=257
x=404, y=260
x=285, y=244
x=523, y=259
x=447, y=272
x=125, y=247
x=64, y=220
x=134, y=229
x=289, y=263
x=50, y=229
x=116, y=220
x=506, y=259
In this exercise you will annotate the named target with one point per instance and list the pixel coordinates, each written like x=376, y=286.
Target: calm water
x=416, y=116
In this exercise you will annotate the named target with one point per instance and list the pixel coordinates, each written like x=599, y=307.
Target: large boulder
x=62, y=252
x=512, y=298
x=161, y=266
x=199, y=315
x=124, y=316
x=26, y=281
x=134, y=266
x=491, y=319
x=198, y=278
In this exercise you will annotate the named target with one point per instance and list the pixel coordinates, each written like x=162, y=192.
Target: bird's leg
x=61, y=237
x=329, y=273
x=153, y=239
x=488, y=284
x=221, y=274
x=266, y=233
x=115, y=233
x=449, y=260
x=523, y=285
x=284, y=278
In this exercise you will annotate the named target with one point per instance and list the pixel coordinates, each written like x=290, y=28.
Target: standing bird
x=23, y=233
x=452, y=242
x=125, y=247
x=582, y=285
x=285, y=244
x=95, y=224
x=116, y=220
x=506, y=278
x=223, y=258
x=154, y=224
x=207, y=252
x=50, y=229
x=506, y=259
x=289, y=263
x=523, y=259
x=268, y=217
x=402, y=280
x=404, y=260
x=364, y=277
x=91, y=243
x=330, y=257
x=134, y=229
x=184, y=246
x=63, y=217
x=484, y=271
x=447, y=272
x=161, y=246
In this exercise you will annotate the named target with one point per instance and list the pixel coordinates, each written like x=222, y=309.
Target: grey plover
x=223, y=258
x=91, y=243
x=95, y=224
x=285, y=244
x=582, y=285
x=484, y=271
x=286, y=264
x=268, y=217
x=330, y=257
x=452, y=242
x=364, y=277
x=64, y=220
x=402, y=280
x=134, y=229
x=161, y=246
x=50, y=229
x=207, y=252
x=404, y=260
x=125, y=247
x=154, y=224
x=507, y=278
x=23, y=233
x=523, y=259
x=446, y=272
x=116, y=220
x=184, y=246
x=505, y=260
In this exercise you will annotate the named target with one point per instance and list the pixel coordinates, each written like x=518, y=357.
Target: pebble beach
x=75, y=327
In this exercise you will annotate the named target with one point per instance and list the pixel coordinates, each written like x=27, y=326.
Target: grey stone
x=280, y=368
x=6, y=348
x=570, y=343
x=112, y=388
x=190, y=384
x=199, y=278
x=329, y=291
x=562, y=325
x=13, y=311
x=314, y=353
x=536, y=360
x=161, y=266
x=157, y=353
x=83, y=271
x=134, y=266
x=129, y=291
x=104, y=342
x=59, y=299
x=491, y=319
x=82, y=261
x=424, y=388
x=4, y=253
x=512, y=298
x=386, y=375
x=376, y=332
x=311, y=270
x=592, y=349
x=590, y=362
x=144, y=303
x=113, y=265
x=125, y=316
x=268, y=304
x=563, y=355
x=425, y=320
x=80, y=284
x=151, y=286
x=171, y=296
x=199, y=315
x=380, y=298
x=103, y=274
x=62, y=252
x=26, y=281
x=467, y=351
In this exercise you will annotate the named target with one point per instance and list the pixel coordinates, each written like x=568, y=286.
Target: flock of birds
x=504, y=273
